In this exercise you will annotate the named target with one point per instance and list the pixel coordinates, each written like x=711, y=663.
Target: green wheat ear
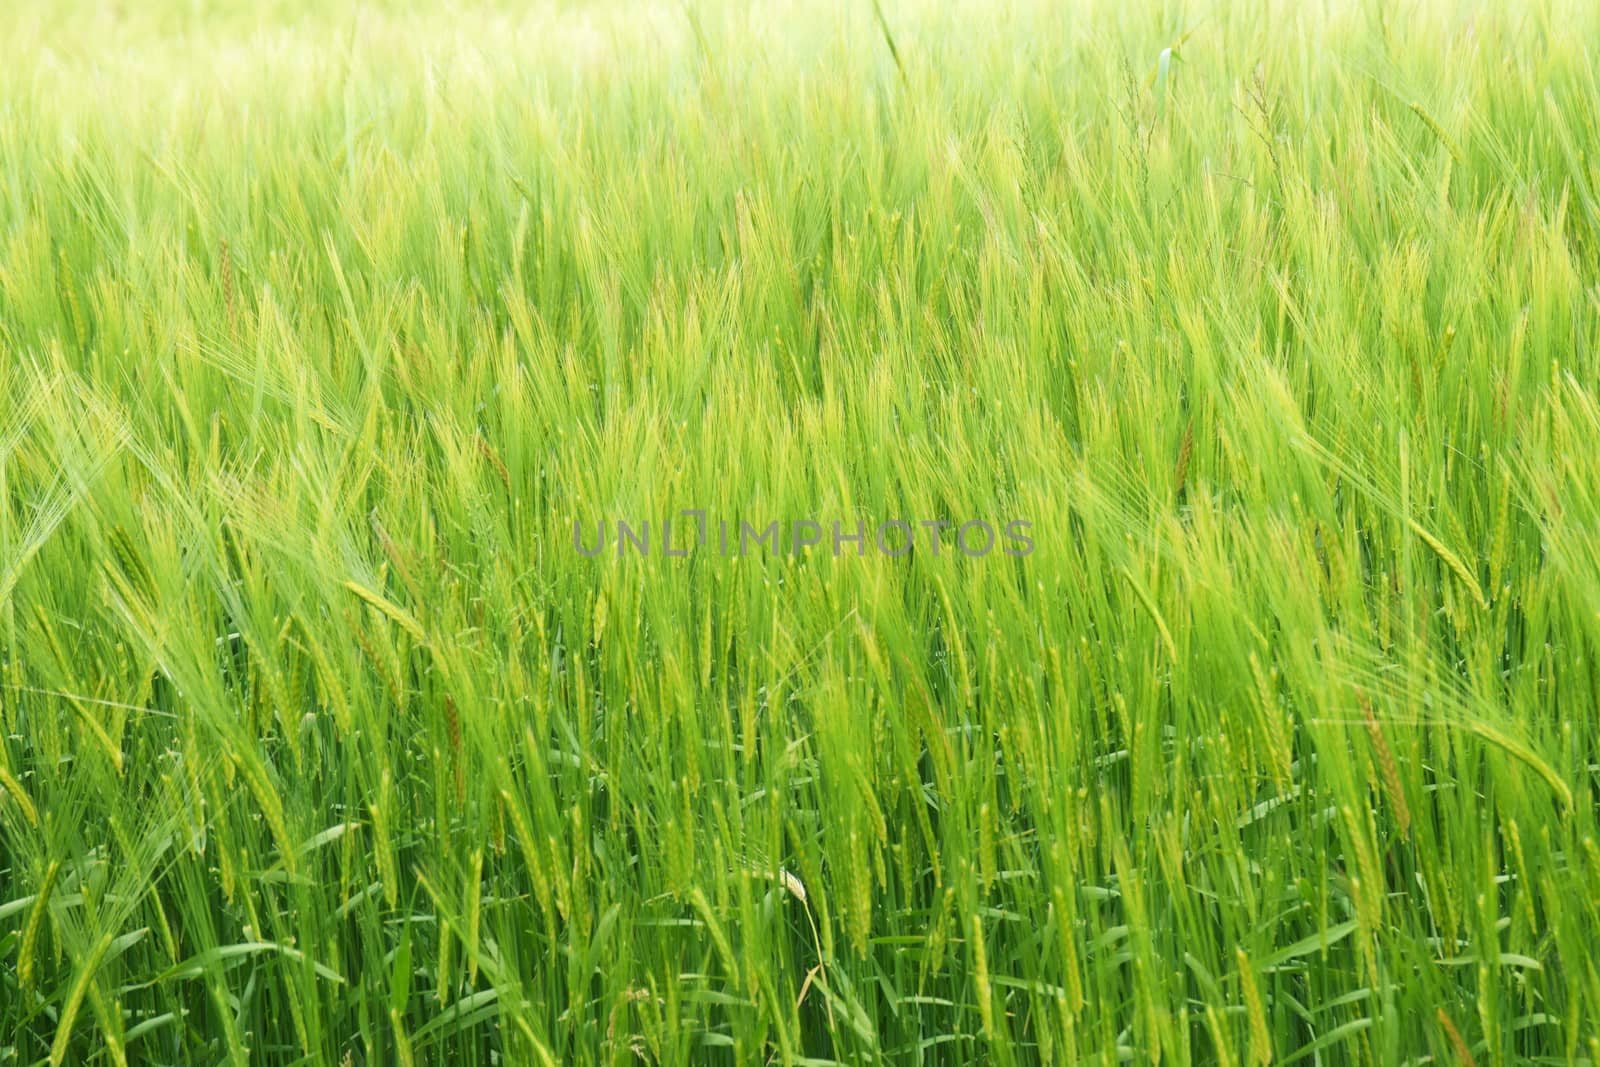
x=323, y=324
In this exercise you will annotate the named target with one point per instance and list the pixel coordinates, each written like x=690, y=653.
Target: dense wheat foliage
x=321, y=326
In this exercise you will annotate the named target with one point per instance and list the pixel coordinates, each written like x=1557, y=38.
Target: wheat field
x=382, y=384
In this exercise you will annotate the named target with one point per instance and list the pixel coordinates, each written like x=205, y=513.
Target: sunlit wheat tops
x=324, y=325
